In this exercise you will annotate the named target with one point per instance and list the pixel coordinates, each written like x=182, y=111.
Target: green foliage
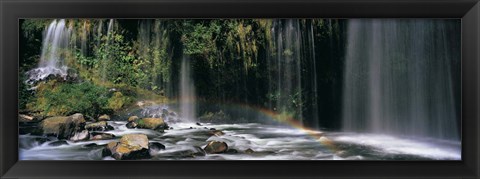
x=88, y=62
x=229, y=58
x=30, y=26
x=24, y=95
x=199, y=37
x=117, y=62
x=153, y=59
x=118, y=101
x=54, y=99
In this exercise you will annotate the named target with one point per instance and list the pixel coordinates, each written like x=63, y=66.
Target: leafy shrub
x=64, y=99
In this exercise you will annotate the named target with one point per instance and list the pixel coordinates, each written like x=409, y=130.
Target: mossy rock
x=133, y=118
x=104, y=118
x=151, y=123
x=63, y=127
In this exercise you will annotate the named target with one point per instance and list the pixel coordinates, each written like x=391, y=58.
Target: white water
x=400, y=78
x=270, y=142
x=54, y=45
x=187, y=92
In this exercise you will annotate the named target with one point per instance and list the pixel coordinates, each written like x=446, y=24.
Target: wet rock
x=151, y=123
x=104, y=118
x=249, y=151
x=214, y=147
x=99, y=126
x=216, y=117
x=165, y=111
x=171, y=128
x=194, y=152
x=41, y=140
x=25, y=118
x=198, y=124
x=58, y=143
x=131, y=125
x=213, y=129
x=132, y=118
x=154, y=147
x=63, y=127
x=101, y=136
x=91, y=145
x=80, y=136
x=172, y=114
x=131, y=146
x=231, y=151
x=216, y=133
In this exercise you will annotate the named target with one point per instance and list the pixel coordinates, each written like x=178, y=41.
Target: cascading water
x=187, y=92
x=108, y=43
x=154, y=44
x=55, y=43
x=401, y=78
x=284, y=73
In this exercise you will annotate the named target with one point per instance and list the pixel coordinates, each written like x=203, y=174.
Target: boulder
x=131, y=125
x=132, y=118
x=99, y=126
x=104, y=118
x=101, y=136
x=151, y=123
x=154, y=147
x=80, y=136
x=214, y=147
x=63, y=127
x=131, y=146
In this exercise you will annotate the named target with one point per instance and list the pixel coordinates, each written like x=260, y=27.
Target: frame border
x=12, y=10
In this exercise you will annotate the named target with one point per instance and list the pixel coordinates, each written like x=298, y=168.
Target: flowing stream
x=269, y=142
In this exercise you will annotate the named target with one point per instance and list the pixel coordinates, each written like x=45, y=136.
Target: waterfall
x=401, y=78
x=110, y=28
x=187, y=92
x=284, y=68
x=153, y=37
x=54, y=45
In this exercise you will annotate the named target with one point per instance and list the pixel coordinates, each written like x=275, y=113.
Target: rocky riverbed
x=75, y=138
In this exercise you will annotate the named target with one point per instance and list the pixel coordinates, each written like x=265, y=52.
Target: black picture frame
x=12, y=10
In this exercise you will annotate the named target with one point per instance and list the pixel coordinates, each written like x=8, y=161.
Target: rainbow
x=276, y=117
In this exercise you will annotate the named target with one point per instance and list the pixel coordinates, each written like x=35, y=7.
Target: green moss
x=118, y=101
